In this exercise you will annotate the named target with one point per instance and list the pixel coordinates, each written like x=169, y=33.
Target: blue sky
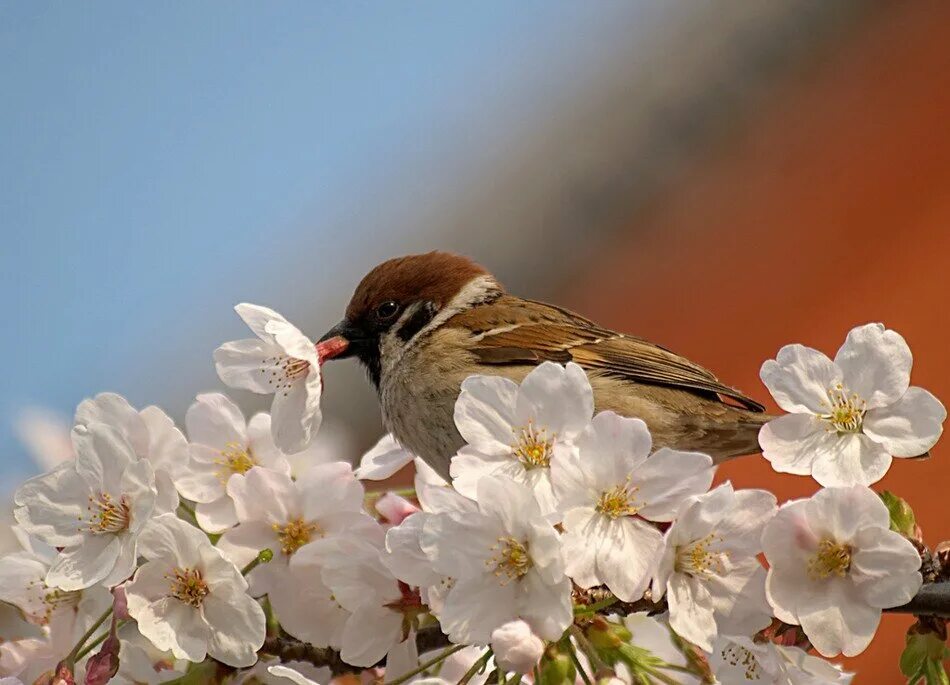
x=162, y=161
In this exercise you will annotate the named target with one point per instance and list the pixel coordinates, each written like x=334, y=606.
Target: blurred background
x=721, y=178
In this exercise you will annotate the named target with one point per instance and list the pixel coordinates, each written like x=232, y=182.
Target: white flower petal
x=909, y=427
x=115, y=411
x=841, y=512
x=167, y=447
x=849, y=459
x=50, y=506
x=836, y=619
x=237, y=629
x=546, y=606
x=383, y=459
x=330, y=489
x=485, y=413
x=80, y=567
x=667, y=478
x=214, y=420
x=295, y=414
x=369, y=633
x=201, y=481
x=216, y=516
x=875, y=364
x=791, y=442
x=885, y=567
x=691, y=610
x=102, y=455
x=264, y=495
x=627, y=557
x=257, y=317
x=294, y=343
x=611, y=448
x=246, y=364
x=474, y=607
x=557, y=398
x=172, y=625
x=291, y=675
x=799, y=379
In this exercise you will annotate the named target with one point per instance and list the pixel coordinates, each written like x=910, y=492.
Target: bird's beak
x=337, y=343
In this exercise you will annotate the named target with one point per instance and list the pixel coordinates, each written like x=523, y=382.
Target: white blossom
x=283, y=362
x=190, y=600
x=286, y=516
x=142, y=663
x=709, y=570
x=513, y=431
x=506, y=563
x=736, y=660
x=652, y=633
x=290, y=674
x=609, y=490
x=849, y=416
x=515, y=647
x=383, y=459
x=834, y=564
x=94, y=507
x=224, y=446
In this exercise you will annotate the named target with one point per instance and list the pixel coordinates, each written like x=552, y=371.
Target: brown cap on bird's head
x=434, y=276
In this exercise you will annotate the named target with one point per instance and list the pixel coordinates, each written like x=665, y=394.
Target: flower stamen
x=845, y=412
x=737, y=655
x=831, y=559
x=188, y=586
x=618, y=501
x=235, y=458
x=697, y=559
x=294, y=534
x=511, y=562
x=533, y=446
x=108, y=515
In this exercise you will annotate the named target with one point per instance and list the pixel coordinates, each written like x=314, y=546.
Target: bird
x=421, y=324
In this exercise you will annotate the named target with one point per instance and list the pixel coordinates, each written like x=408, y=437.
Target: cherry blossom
x=709, y=571
x=514, y=430
x=834, y=564
x=849, y=416
x=742, y=660
x=94, y=507
x=383, y=459
x=515, y=647
x=506, y=562
x=188, y=599
x=281, y=362
x=223, y=446
x=609, y=490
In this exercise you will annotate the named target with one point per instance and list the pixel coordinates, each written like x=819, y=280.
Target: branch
x=932, y=600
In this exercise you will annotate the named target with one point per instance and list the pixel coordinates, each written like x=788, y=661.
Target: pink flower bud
x=120, y=609
x=515, y=647
x=394, y=508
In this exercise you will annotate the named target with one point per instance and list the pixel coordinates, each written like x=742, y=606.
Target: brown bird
x=421, y=324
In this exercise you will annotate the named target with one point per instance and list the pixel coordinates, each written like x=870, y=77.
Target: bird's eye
x=387, y=310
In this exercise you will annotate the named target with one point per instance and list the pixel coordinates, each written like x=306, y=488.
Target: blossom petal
x=201, y=481
x=875, y=364
x=329, y=489
x=216, y=421
x=884, y=567
x=115, y=411
x=840, y=513
x=626, y=560
x=485, y=413
x=557, y=398
x=264, y=495
x=295, y=414
x=369, y=633
x=476, y=606
x=849, y=459
x=171, y=625
x=909, y=427
x=102, y=455
x=294, y=343
x=691, y=610
x=80, y=567
x=247, y=364
x=383, y=459
x=792, y=441
x=51, y=505
x=257, y=317
x=836, y=618
x=546, y=606
x=611, y=448
x=237, y=629
x=669, y=477
x=799, y=379
x=216, y=516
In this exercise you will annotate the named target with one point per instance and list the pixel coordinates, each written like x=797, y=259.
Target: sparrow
x=421, y=324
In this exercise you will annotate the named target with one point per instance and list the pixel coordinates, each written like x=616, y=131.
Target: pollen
x=618, y=501
x=282, y=371
x=295, y=534
x=844, y=411
x=533, y=446
x=737, y=655
x=699, y=559
x=188, y=586
x=52, y=599
x=511, y=560
x=831, y=559
x=105, y=514
x=235, y=458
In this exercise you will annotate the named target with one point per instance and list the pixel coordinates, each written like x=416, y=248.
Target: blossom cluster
x=566, y=547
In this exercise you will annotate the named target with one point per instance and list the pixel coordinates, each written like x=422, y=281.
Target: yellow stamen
x=844, y=412
x=108, y=515
x=831, y=559
x=512, y=560
x=697, y=558
x=235, y=458
x=188, y=586
x=736, y=655
x=533, y=446
x=618, y=501
x=294, y=534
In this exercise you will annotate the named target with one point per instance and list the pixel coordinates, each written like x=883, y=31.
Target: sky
x=160, y=162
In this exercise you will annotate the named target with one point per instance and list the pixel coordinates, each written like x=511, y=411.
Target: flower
x=834, y=564
x=282, y=362
x=609, y=490
x=290, y=674
x=140, y=662
x=189, y=600
x=152, y=436
x=709, y=568
x=286, y=516
x=515, y=647
x=383, y=459
x=738, y=659
x=514, y=431
x=94, y=507
x=849, y=416
x=653, y=635
x=506, y=561
x=224, y=446
x=380, y=610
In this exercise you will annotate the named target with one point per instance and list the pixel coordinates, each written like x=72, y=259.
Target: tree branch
x=932, y=600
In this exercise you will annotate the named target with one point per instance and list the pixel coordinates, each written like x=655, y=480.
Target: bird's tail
x=737, y=439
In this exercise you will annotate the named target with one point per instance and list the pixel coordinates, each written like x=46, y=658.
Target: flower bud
x=515, y=647
x=394, y=508
x=558, y=669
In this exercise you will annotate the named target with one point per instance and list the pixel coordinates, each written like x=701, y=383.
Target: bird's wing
x=527, y=332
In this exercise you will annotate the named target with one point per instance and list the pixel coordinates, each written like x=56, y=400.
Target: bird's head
x=403, y=299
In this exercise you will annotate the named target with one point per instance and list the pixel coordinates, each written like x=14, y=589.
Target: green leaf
x=923, y=659
x=903, y=520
